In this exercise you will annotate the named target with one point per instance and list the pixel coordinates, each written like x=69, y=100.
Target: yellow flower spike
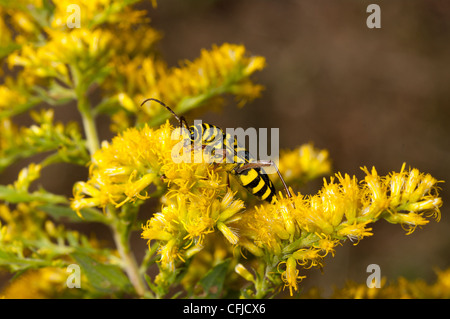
x=355, y=231
x=377, y=198
x=3, y=232
x=264, y=226
x=374, y=183
x=24, y=22
x=79, y=202
x=197, y=229
x=251, y=247
x=418, y=185
x=304, y=163
x=290, y=275
x=42, y=283
x=408, y=221
x=244, y=273
x=229, y=206
x=284, y=208
x=123, y=169
x=226, y=68
x=133, y=189
x=414, y=192
x=318, y=216
x=351, y=194
x=169, y=254
x=118, y=171
x=150, y=232
x=308, y=258
x=255, y=64
x=411, y=183
x=126, y=102
x=396, y=185
x=191, y=251
x=10, y=96
x=229, y=234
x=27, y=176
x=326, y=245
x=431, y=205
x=332, y=202
x=280, y=231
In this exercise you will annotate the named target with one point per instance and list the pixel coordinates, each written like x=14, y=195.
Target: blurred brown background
x=370, y=96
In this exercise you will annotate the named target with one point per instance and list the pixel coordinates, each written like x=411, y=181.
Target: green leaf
x=102, y=277
x=15, y=263
x=9, y=48
x=214, y=279
x=12, y=195
x=64, y=212
x=20, y=108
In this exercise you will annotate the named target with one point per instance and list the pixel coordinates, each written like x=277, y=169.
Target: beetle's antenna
x=152, y=99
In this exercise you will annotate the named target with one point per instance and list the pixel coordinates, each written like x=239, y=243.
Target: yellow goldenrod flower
x=244, y=273
x=290, y=275
x=86, y=52
x=93, y=13
x=303, y=164
x=122, y=170
x=351, y=195
x=185, y=222
x=223, y=69
x=25, y=220
x=307, y=228
x=5, y=31
x=24, y=22
x=42, y=283
x=308, y=258
x=27, y=175
x=408, y=221
x=229, y=234
x=356, y=231
x=197, y=199
x=377, y=193
x=264, y=227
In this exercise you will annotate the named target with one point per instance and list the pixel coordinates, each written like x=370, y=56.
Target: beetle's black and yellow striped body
x=258, y=184
x=255, y=181
x=238, y=160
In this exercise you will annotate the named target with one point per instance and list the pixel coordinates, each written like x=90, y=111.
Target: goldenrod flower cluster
x=223, y=69
x=38, y=284
x=291, y=232
x=303, y=164
x=302, y=230
x=196, y=201
x=62, y=51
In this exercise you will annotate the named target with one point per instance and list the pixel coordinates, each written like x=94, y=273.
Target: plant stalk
x=130, y=264
x=88, y=123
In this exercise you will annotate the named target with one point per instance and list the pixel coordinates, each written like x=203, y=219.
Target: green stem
x=261, y=285
x=129, y=262
x=88, y=123
x=84, y=107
